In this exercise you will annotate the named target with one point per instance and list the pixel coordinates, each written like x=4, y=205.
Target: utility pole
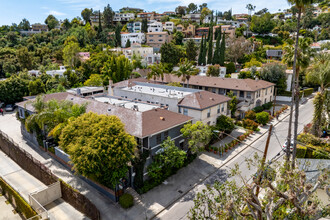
x=274, y=101
x=264, y=159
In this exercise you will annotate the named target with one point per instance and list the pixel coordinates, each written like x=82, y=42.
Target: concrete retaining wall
x=48, y=195
x=283, y=98
x=62, y=155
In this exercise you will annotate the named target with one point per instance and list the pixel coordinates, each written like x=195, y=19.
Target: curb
x=201, y=181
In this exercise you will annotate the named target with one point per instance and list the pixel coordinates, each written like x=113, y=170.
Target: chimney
x=110, y=88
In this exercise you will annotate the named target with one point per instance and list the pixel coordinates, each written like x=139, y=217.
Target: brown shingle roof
x=223, y=83
x=202, y=100
x=138, y=124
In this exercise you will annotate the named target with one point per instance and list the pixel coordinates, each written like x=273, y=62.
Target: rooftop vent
x=162, y=118
x=212, y=99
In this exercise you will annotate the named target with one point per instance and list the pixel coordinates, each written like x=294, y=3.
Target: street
x=180, y=208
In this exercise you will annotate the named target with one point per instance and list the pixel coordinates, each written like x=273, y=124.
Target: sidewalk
x=7, y=210
x=108, y=209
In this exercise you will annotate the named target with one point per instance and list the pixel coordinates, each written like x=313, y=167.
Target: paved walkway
x=6, y=210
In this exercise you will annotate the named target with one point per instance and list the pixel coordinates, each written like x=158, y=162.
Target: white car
x=285, y=145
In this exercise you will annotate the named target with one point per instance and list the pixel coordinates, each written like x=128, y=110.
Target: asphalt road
x=180, y=209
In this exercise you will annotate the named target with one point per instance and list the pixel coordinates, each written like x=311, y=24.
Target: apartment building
x=132, y=37
x=201, y=105
x=229, y=30
x=129, y=9
x=123, y=18
x=250, y=93
x=192, y=17
x=155, y=26
x=147, y=15
x=203, y=70
x=134, y=27
x=202, y=31
x=157, y=39
x=169, y=13
x=169, y=25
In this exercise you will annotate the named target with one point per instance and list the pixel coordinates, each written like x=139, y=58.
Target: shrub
x=250, y=115
x=320, y=154
x=267, y=105
x=258, y=109
x=126, y=201
x=225, y=124
x=310, y=139
x=249, y=124
x=262, y=118
x=301, y=151
x=308, y=92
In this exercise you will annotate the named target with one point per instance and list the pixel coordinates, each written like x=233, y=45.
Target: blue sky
x=13, y=11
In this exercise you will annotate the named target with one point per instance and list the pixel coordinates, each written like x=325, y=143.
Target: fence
x=42, y=173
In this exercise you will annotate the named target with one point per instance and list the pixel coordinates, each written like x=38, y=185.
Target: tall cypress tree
x=216, y=55
x=210, y=46
x=222, y=49
x=201, y=51
x=100, y=23
x=117, y=35
x=204, y=51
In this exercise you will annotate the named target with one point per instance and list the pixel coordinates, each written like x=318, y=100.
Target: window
x=213, y=90
x=265, y=100
x=218, y=108
x=158, y=139
x=241, y=94
x=151, y=40
x=266, y=92
x=185, y=111
x=160, y=40
x=248, y=95
x=180, y=110
x=159, y=35
x=151, y=35
x=222, y=107
x=165, y=135
x=209, y=113
x=235, y=93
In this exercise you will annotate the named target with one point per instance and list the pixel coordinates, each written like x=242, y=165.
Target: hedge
x=301, y=151
x=289, y=93
x=126, y=200
x=308, y=92
x=21, y=205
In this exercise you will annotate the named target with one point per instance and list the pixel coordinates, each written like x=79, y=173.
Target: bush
x=320, y=154
x=301, y=151
x=250, y=115
x=249, y=124
x=126, y=201
x=267, y=105
x=225, y=124
x=307, y=138
x=308, y=92
x=258, y=109
x=262, y=118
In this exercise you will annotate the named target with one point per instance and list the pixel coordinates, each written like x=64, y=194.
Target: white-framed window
x=209, y=113
x=185, y=111
x=218, y=109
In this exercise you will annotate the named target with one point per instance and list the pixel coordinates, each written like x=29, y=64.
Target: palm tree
x=250, y=8
x=319, y=73
x=186, y=70
x=300, y=5
x=157, y=70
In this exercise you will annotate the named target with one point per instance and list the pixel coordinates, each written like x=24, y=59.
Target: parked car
x=9, y=107
x=285, y=145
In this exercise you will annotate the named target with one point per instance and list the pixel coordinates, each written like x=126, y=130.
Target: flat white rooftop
x=137, y=106
x=163, y=91
x=86, y=89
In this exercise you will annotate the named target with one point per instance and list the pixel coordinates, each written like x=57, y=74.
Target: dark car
x=9, y=108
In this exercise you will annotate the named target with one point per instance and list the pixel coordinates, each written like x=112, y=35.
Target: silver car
x=9, y=108
x=285, y=145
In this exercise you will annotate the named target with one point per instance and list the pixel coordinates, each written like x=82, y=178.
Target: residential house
x=169, y=13
x=201, y=105
x=123, y=18
x=155, y=26
x=83, y=56
x=203, y=70
x=149, y=124
x=95, y=18
x=169, y=25
x=35, y=29
x=192, y=17
x=132, y=37
x=157, y=39
x=197, y=40
x=202, y=31
x=274, y=54
x=158, y=17
x=59, y=72
x=86, y=90
x=229, y=30
x=147, y=15
x=250, y=93
x=134, y=27
x=129, y=9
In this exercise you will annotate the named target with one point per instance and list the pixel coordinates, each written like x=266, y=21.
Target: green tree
x=66, y=25
x=170, y=158
x=262, y=24
x=156, y=70
x=231, y=68
x=210, y=47
x=232, y=103
x=200, y=55
x=25, y=58
x=108, y=16
x=94, y=80
x=198, y=135
x=36, y=87
x=86, y=14
x=275, y=73
x=128, y=44
x=24, y=24
x=225, y=124
x=171, y=53
x=213, y=70
x=319, y=73
x=252, y=62
x=51, y=22
x=144, y=26
x=13, y=89
x=178, y=38
x=99, y=147
x=186, y=70
x=117, y=68
x=191, y=50
x=70, y=54
x=118, y=36
x=222, y=50
x=192, y=8
x=216, y=55
x=318, y=116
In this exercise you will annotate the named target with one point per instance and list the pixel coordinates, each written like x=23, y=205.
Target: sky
x=36, y=11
